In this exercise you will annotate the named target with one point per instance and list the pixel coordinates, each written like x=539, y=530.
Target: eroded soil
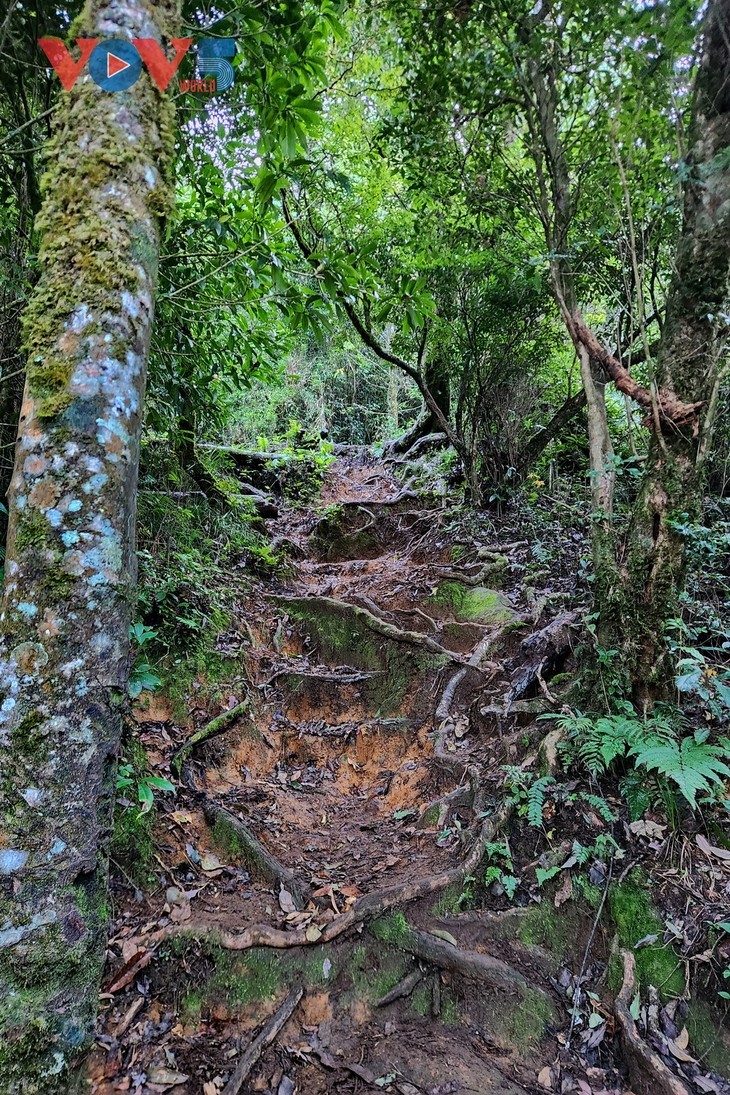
x=367, y=760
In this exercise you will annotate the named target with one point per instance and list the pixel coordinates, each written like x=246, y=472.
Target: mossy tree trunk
x=639, y=576
x=65, y=613
x=688, y=367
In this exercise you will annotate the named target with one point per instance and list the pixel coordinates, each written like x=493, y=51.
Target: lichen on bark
x=64, y=616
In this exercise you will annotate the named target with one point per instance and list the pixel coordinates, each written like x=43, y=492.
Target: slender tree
x=689, y=368
x=639, y=575
x=64, y=624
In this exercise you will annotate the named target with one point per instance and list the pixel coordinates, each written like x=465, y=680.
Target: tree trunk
x=688, y=367
x=70, y=571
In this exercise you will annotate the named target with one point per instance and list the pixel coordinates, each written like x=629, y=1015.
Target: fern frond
x=692, y=765
x=600, y=805
x=536, y=799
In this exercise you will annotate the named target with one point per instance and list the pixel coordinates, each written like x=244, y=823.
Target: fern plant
x=528, y=794
x=690, y=762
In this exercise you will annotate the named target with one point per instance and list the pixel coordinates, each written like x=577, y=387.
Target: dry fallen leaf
x=545, y=1078
x=679, y=1053
x=711, y=849
x=129, y=971
x=565, y=892
x=447, y=936
x=210, y=863
x=682, y=1039
x=286, y=901
x=313, y=933
x=166, y=1077
x=650, y=829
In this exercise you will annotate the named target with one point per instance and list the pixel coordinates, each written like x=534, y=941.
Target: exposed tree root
x=255, y=853
x=366, y=908
x=275, y=1024
x=216, y=726
x=360, y=503
x=443, y=711
x=374, y=623
x=320, y=673
x=403, y=988
x=496, y=563
x=649, y=1075
x=482, y=967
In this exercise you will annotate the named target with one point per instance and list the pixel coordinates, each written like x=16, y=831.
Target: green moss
x=132, y=845
x=191, y=1007
x=422, y=1004
x=545, y=926
x=450, y=1015
x=341, y=636
x=239, y=981
x=226, y=840
x=453, y=900
x=525, y=1022
x=430, y=817
x=635, y=917
x=222, y=977
x=393, y=928
x=421, y=999
x=31, y=531
x=709, y=1038
x=591, y=894
x=474, y=603
x=376, y=971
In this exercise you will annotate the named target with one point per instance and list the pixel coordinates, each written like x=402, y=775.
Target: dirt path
x=366, y=762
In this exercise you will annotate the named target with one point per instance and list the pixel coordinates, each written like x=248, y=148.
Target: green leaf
x=544, y=874
x=159, y=783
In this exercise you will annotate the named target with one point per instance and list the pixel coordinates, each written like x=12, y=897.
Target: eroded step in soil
x=377, y=674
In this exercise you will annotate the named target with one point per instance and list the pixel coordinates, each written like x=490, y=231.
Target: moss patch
x=474, y=603
x=523, y=1024
x=545, y=926
x=342, y=637
x=392, y=929
x=375, y=971
x=635, y=917
x=709, y=1037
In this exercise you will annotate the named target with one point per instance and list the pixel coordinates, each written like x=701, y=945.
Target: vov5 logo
x=115, y=64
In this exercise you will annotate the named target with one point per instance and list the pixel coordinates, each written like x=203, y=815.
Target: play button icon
x=115, y=65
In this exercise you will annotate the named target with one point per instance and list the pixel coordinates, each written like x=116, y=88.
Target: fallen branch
x=403, y=988
x=266, y=1036
x=216, y=726
x=649, y=1075
x=255, y=853
x=482, y=967
x=374, y=623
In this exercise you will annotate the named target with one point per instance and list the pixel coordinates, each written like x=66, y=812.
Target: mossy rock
x=476, y=604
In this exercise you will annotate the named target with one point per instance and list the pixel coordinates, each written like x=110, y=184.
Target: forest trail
x=385, y=685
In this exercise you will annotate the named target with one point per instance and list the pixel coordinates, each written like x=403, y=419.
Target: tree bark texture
x=70, y=573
